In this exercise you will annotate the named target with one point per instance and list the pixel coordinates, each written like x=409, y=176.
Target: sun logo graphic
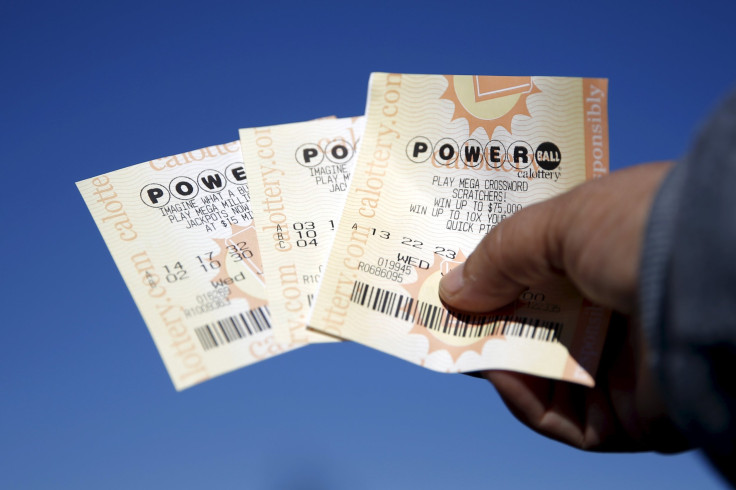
x=239, y=267
x=445, y=330
x=489, y=102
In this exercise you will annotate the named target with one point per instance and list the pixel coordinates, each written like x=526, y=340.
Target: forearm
x=688, y=289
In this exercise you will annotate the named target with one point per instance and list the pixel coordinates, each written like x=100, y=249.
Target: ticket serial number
x=393, y=270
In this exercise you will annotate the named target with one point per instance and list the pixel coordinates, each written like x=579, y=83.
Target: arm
x=688, y=291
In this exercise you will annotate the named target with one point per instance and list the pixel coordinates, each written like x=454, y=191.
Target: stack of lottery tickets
x=341, y=229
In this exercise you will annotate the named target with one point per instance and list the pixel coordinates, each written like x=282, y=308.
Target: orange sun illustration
x=239, y=261
x=425, y=290
x=489, y=102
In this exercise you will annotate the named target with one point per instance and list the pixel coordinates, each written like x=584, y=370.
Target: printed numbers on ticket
x=181, y=232
x=298, y=177
x=443, y=160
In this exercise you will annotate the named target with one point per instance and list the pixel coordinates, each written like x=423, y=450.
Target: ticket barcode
x=441, y=320
x=233, y=328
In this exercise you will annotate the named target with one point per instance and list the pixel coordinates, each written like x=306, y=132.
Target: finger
x=589, y=235
x=522, y=251
x=548, y=407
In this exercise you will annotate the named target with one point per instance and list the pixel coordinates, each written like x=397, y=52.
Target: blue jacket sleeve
x=688, y=290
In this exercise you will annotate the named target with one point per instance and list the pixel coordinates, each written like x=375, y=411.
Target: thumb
x=520, y=252
x=591, y=236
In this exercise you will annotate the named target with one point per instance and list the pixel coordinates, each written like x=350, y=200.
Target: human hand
x=592, y=237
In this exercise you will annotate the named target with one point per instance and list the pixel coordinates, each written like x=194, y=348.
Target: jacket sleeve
x=688, y=290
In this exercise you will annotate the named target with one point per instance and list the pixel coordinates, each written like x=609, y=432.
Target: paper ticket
x=442, y=161
x=180, y=230
x=298, y=177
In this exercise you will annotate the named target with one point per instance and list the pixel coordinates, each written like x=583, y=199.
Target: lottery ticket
x=443, y=160
x=180, y=230
x=298, y=177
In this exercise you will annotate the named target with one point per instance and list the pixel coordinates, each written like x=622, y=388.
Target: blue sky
x=90, y=87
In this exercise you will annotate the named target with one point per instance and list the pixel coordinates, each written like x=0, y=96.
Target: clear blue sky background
x=85, y=402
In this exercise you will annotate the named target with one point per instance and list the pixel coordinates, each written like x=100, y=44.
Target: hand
x=592, y=237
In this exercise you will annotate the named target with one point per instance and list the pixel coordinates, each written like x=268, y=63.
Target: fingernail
x=452, y=282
